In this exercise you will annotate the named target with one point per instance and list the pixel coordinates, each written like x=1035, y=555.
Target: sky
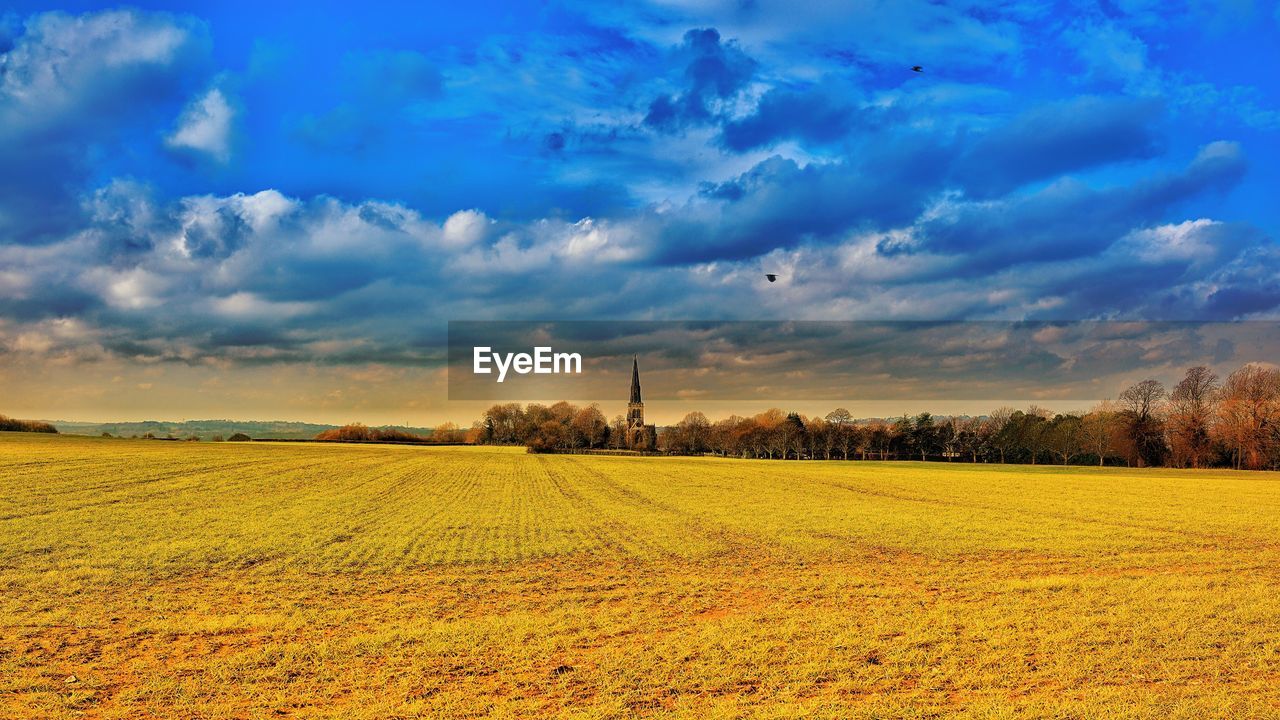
x=239, y=210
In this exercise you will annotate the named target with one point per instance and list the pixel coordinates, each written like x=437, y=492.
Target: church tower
x=639, y=435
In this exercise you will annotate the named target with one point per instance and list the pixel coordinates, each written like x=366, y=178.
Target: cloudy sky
x=231, y=209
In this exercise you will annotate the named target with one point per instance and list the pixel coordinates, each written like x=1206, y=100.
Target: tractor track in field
x=118, y=488
x=729, y=542
x=988, y=507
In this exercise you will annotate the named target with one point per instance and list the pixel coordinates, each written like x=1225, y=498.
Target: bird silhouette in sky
x=772, y=277
x=917, y=68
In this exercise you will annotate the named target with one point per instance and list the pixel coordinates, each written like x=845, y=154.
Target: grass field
x=197, y=580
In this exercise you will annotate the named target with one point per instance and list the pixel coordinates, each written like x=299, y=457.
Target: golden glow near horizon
x=373, y=394
x=872, y=370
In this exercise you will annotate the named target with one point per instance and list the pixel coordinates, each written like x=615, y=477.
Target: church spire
x=635, y=379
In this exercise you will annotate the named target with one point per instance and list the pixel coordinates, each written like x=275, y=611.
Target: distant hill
x=207, y=429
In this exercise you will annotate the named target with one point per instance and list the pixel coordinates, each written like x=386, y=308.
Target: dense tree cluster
x=1202, y=422
x=356, y=432
x=8, y=424
x=549, y=428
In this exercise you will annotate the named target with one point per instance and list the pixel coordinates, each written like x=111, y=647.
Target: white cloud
x=270, y=278
x=134, y=289
x=597, y=241
x=249, y=305
x=1185, y=241
x=56, y=336
x=13, y=284
x=1219, y=150
x=62, y=63
x=205, y=126
x=464, y=228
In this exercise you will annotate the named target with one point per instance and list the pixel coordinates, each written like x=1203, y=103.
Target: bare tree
x=694, y=433
x=849, y=437
x=973, y=436
x=1064, y=437
x=840, y=416
x=1249, y=415
x=772, y=436
x=1191, y=410
x=822, y=436
x=880, y=437
x=1098, y=429
x=1141, y=403
x=1142, y=398
x=998, y=424
x=1031, y=430
x=864, y=439
x=793, y=436
x=446, y=432
x=590, y=427
x=618, y=432
x=725, y=437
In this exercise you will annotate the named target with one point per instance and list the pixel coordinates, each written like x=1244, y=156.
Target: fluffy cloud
x=205, y=127
x=69, y=84
x=63, y=67
x=268, y=278
x=465, y=227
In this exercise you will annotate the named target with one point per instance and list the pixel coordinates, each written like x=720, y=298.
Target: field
x=200, y=580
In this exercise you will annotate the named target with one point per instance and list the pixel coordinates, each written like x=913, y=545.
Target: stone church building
x=639, y=435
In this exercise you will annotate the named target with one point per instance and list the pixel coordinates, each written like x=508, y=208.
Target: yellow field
x=182, y=580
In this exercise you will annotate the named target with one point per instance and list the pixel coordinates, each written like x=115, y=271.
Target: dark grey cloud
x=891, y=175
x=816, y=116
x=712, y=71
x=780, y=203
x=1057, y=138
x=1067, y=219
x=1248, y=284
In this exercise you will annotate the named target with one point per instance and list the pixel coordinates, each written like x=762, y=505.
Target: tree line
x=359, y=432
x=1203, y=421
x=8, y=424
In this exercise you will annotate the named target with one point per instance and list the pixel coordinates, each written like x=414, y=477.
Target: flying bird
x=772, y=277
x=917, y=68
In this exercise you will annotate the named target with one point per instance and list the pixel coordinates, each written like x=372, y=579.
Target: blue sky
x=219, y=186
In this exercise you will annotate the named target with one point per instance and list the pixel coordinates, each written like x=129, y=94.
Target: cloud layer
x=164, y=201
